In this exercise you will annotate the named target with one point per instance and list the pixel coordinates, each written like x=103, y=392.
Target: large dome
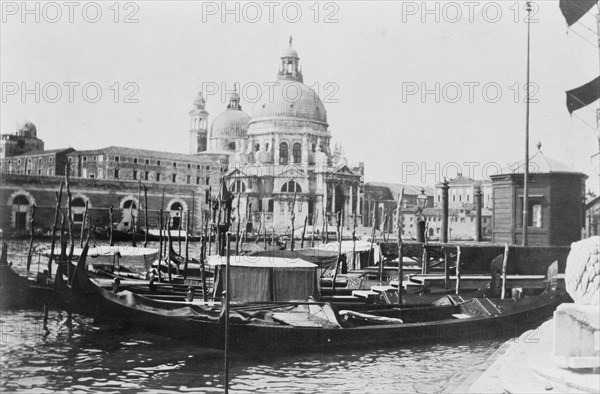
x=232, y=123
x=289, y=100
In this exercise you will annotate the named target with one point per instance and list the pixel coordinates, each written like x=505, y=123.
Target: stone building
x=462, y=191
x=283, y=149
x=24, y=140
x=112, y=176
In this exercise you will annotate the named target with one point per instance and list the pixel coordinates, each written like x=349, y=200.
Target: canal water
x=72, y=353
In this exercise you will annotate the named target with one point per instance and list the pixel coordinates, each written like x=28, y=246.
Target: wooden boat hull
x=17, y=291
x=183, y=321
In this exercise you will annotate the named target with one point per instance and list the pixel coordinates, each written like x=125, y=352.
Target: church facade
x=281, y=162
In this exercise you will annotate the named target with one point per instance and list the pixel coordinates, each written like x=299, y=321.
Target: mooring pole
x=53, y=240
x=303, y=232
x=526, y=165
x=145, y=217
x=504, y=262
x=458, y=252
x=85, y=212
x=226, y=310
x=110, y=225
x=32, y=231
x=399, y=240
x=187, y=245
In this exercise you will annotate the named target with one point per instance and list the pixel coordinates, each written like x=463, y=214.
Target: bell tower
x=198, y=125
x=290, y=69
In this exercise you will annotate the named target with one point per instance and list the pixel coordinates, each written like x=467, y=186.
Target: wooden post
x=383, y=233
x=132, y=227
x=446, y=269
x=399, y=241
x=265, y=236
x=292, y=219
x=168, y=248
x=478, y=219
x=179, y=231
x=372, y=237
x=444, y=231
x=226, y=310
x=303, y=232
x=424, y=260
x=83, y=224
x=203, y=260
x=32, y=232
x=239, y=223
x=160, y=243
x=110, y=225
x=323, y=229
x=504, y=262
x=187, y=245
x=354, y=241
x=458, y=252
x=339, y=239
x=145, y=217
x=312, y=235
x=89, y=228
x=69, y=213
x=53, y=240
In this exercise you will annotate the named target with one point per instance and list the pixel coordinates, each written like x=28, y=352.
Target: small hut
x=555, y=203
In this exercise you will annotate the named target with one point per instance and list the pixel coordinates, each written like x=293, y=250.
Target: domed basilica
x=282, y=150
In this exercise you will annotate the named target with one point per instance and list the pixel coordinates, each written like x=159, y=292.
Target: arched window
x=238, y=186
x=297, y=152
x=283, y=153
x=270, y=206
x=78, y=208
x=129, y=204
x=20, y=212
x=20, y=200
x=291, y=187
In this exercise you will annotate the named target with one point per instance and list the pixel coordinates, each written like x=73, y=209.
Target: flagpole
x=526, y=166
x=598, y=110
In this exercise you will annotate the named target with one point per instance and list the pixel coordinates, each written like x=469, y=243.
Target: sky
x=418, y=91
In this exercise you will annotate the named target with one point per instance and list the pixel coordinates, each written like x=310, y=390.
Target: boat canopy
x=265, y=279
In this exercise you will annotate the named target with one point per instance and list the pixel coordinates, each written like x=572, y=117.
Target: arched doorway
x=340, y=201
x=176, y=210
x=21, y=209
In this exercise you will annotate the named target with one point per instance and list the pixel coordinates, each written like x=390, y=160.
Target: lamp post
x=422, y=203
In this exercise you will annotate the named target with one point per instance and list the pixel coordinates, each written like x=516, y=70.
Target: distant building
x=462, y=191
x=112, y=176
x=381, y=201
x=592, y=216
x=282, y=150
x=22, y=141
x=555, y=203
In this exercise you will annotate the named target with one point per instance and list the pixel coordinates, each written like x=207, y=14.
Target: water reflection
x=73, y=354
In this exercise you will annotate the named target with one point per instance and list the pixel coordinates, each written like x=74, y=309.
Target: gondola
x=317, y=326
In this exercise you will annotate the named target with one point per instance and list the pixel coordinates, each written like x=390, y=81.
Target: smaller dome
x=289, y=52
x=26, y=129
x=232, y=123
